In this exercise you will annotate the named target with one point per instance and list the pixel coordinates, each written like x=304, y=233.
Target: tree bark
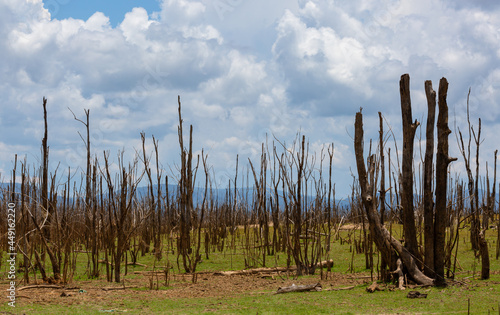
x=485, y=257
x=409, y=128
x=442, y=162
x=428, y=198
x=382, y=169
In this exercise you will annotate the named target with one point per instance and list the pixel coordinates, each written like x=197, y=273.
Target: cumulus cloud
x=246, y=71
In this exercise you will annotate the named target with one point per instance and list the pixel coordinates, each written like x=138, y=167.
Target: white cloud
x=244, y=70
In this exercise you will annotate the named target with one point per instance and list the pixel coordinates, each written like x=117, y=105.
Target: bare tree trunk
x=442, y=162
x=498, y=230
x=409, y=128
x=485, y=257
x=474, y=229
x=45, y=172
x=385, y=276
x=428, y=199
x=382, y=169
x=186, y=196
x=47, y=208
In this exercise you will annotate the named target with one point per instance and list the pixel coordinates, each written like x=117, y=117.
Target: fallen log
x=253, y=271
x=300, y=288
x=324, y=264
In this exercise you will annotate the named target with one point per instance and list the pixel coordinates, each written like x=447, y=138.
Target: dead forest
x=283, y=204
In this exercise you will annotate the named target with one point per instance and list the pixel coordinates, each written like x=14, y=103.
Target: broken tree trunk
x=485, y=257
x=300, y=288
x=383, y=239
x=401, y=277
x=406, y=179
x=442, y=162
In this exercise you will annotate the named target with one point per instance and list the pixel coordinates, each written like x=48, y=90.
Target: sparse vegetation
x=160, y=241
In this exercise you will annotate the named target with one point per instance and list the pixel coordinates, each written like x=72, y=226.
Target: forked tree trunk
x=442, y=162
x=384, y=241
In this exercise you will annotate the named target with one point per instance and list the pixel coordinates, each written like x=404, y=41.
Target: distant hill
x=245, y=195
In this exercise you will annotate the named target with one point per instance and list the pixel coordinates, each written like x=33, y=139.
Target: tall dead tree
x=383, y=263
x=89, y=217
x=406, y=179
x=498, y=230
x=185, y=196
x=45, y=170
x=382, y=169
x=146, y=233
x=478, y=241
x=493, y=200
x=475, y=225
x=46, y=205
x=120, y=210
x=490, y=196
x=428, y=178
x=442, y=162
x=385, y=242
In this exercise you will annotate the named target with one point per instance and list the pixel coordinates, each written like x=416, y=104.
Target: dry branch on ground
x=300, y=288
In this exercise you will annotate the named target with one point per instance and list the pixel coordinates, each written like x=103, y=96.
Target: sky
x=245, y=70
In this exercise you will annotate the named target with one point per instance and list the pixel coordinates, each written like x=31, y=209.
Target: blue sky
x=83, y=9
x=244, y=70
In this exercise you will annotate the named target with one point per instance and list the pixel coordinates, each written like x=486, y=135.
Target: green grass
x=484, y=296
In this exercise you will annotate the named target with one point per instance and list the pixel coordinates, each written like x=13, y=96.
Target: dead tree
x=493, y=200
x=120, y=211
x=428, y=199
x=146, y=233
x=442, y=162
x=157, y=236
x=386, y=244
x=197, y=256
x=474, y=211
x=260, y=202
x=383, y=263
x=382, y=169
x=498, y=230
x=45, y=170
x=185, y=196
x=490, y=196
x=45, y=202
x=90, y=219
x=406, y=179
x=477, y=236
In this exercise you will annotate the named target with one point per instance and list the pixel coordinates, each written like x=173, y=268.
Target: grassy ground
x=255, y=294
